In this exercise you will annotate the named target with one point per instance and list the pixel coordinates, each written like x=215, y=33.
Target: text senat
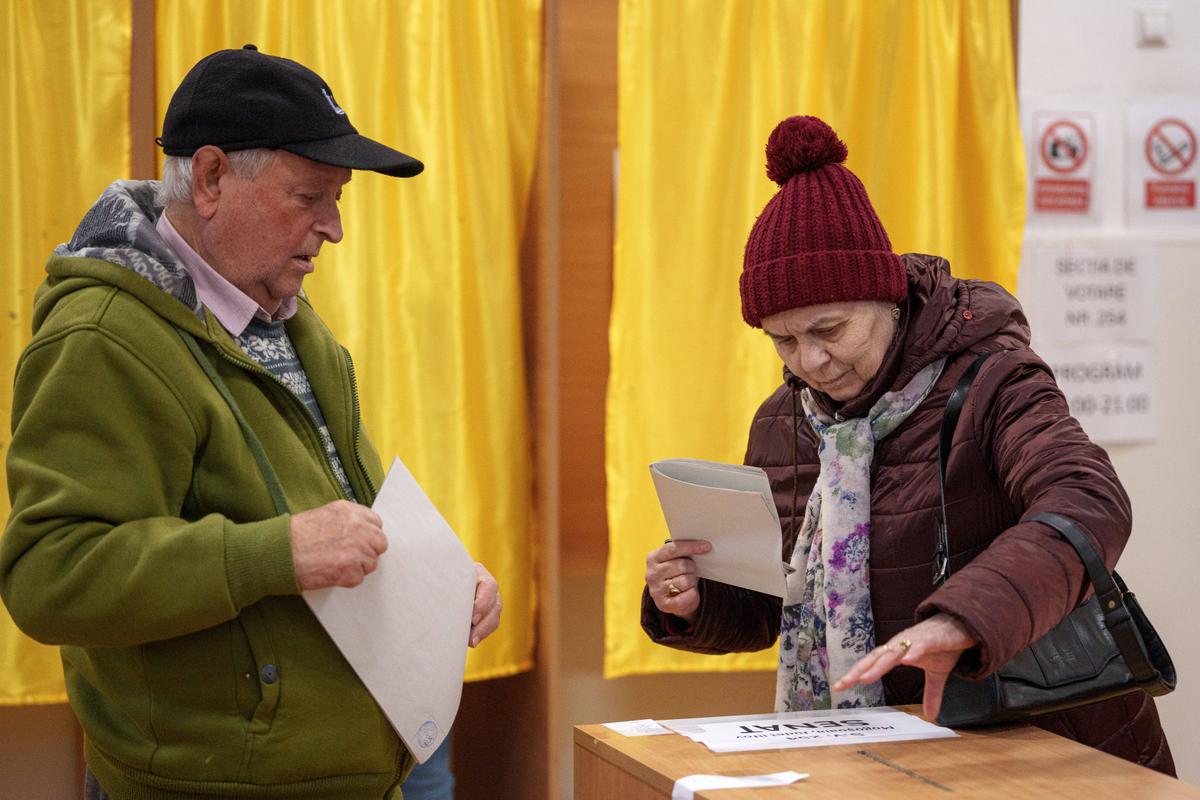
x=803, y=726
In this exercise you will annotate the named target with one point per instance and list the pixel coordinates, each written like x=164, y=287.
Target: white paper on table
x=806, y=729
x=686, y=788
x=731, y=506
x=638, y=727
x=404, y=630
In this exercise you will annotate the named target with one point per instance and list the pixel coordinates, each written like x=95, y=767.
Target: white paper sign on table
x=806, y=729
x=686, y=788
x=404, y=630
x=638, y=727
x=731, y=506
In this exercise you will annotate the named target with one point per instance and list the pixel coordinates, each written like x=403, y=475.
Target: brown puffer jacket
x=1017, y=451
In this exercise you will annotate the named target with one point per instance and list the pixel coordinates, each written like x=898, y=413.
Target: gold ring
x=672, y=589
x=904, y=644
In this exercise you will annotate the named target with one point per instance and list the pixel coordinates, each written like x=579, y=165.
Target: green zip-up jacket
x=144, y=541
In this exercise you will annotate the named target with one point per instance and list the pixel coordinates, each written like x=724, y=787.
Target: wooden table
x=1013, y=762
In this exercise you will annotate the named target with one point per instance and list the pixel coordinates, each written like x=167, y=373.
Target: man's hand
x=485, y=615
x=337, y=544
x=933, y=645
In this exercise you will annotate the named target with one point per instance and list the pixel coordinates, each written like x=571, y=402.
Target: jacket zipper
x=356, y=426
x=296, y=402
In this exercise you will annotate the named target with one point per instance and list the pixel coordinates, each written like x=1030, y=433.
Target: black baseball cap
x=242, y=99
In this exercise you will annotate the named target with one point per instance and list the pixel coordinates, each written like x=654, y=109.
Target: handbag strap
x=954, y=406
x=1116, y=616
x=274, y=487
x=1108, y=588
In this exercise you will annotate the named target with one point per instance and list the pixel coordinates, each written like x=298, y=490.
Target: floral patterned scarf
x=827, y=621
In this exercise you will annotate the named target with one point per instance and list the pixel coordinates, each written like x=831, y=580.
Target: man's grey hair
x=176, y=187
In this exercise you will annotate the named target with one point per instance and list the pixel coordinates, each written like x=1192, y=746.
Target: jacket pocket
x=247, y=689
x=265, y=669
x=198, y=703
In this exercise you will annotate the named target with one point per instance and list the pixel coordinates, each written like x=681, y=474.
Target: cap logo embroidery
x=332, y=104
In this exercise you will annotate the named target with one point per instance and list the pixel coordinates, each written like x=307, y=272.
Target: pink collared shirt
x=232, y=307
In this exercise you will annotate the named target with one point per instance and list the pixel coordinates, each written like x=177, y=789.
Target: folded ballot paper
x=729, y=505
x=404, y=630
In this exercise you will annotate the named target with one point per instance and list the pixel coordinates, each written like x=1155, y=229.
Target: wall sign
x=1062, y=176
x=1093, y=310
x=1163, y=170
x=1093, y=291
x=1111, y=389
x=1064, y=137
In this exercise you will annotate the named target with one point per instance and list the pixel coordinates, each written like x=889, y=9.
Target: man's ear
x=209, y=165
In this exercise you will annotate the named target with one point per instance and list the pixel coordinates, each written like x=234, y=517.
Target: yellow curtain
x=424, y=289
x=923, y=94
x=65, y=137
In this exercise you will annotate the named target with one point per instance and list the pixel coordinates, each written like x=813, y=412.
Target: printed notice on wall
x=1063, y=149
x=1109, y=388
x=1092, y=307
x=1161, y=140
x=1091, y=291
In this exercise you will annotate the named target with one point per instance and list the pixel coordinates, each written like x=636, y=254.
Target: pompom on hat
x=818, y=240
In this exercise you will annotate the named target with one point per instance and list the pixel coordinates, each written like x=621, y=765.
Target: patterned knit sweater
x=269, y=345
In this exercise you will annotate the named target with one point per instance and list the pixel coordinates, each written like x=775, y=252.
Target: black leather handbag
x=1106, y=647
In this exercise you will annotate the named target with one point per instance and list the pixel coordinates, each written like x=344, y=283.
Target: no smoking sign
x=1170, y=146
x=1167, y=180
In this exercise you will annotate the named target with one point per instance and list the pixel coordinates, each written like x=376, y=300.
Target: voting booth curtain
x=65, y=137
x=423, y=290
x=924, y=96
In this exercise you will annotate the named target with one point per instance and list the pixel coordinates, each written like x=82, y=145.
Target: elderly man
x=187, y=456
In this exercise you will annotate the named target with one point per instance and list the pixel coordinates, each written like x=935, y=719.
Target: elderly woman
x=873, y=343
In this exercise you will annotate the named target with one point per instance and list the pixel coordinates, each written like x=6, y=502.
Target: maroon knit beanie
x=818, y=240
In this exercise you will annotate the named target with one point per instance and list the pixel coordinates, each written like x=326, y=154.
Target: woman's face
x=835, y=348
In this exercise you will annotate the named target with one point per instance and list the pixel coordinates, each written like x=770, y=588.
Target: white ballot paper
x=404, y=630
x=729, y=505
x=806, y=729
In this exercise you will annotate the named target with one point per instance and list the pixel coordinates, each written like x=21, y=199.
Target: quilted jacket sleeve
x=732, y=619
x=1029, y=578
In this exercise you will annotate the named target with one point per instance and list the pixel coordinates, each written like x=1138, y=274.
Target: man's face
x=266, y=232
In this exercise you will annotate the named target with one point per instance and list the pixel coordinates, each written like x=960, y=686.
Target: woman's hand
x=933, y=645
x=671, y=577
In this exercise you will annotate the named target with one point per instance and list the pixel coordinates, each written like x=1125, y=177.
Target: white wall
x=1090, y=47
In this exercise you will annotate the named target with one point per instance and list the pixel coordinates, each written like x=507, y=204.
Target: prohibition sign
x=1170, y=146
x=1064, y=146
